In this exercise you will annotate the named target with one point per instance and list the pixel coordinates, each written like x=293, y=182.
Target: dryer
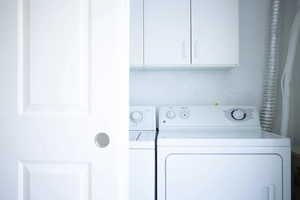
x=220, y=152
x=142, y=134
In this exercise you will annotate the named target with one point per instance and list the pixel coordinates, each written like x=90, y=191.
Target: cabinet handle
x=271, y=192
x=195, y=49
x=183, y=50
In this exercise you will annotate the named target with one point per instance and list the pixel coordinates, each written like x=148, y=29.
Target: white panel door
x=166, y=32
x=224, y=176
x=63, y=98
x=136, y=32
x=215, y=32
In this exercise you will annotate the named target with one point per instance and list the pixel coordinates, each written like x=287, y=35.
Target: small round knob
x=185, y=114
x=238, y=114
x=170, y=114
x=102, y=140
x=136, y=116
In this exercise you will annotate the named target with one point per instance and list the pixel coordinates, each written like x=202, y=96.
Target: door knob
x=102, y=140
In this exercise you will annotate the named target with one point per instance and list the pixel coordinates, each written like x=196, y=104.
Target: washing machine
x=220, y=153
x=142, y=134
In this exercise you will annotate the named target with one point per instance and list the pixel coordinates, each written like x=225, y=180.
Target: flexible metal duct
x=269, y=106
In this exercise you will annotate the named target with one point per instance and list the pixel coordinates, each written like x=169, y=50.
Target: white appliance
x=142, y=134
x=219, y=152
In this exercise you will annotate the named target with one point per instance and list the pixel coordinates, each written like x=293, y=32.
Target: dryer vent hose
x=269, y=105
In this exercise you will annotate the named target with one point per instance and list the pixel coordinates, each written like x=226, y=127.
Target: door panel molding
x=59, y=180
x=53, y=56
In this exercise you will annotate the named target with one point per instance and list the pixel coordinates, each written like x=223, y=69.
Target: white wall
x=295, y=90
x=296, y=100
x=242, y=85
x=289, y=8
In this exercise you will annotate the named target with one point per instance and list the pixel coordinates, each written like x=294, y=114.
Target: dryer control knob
x=170, y=114
x=238, y=114
x=136, y=116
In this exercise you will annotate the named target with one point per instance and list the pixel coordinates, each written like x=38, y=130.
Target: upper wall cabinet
x=136, y=32
x=215, y=32
x=166, y=32
x=197, y=33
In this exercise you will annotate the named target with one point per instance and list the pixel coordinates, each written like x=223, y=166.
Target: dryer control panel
x=208, y=117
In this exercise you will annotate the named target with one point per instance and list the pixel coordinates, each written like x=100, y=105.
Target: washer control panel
x=142, y=118
x=181, y=113
x=136, y=116
x=175, y=113
x=170, y=114
x=208, y=116
x=239, y=114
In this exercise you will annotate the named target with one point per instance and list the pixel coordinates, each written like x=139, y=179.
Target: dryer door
x=223, y=176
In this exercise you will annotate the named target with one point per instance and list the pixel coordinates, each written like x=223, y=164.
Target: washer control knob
x=184, y=114
x=170, y=114
x=136, y=116
x=238, y=114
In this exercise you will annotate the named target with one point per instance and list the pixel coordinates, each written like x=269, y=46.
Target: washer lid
x=142, y=139
x=133, y=135
x=217, y=138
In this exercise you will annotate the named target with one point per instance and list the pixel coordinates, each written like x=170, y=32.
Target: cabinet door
x=215, y=32
x=166, y=32
x=224, y=176
x=136, y=32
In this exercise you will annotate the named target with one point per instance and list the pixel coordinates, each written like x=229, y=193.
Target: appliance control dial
x=184, y=114
x=170, y=114
x=136, y=116
x=238, y=114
